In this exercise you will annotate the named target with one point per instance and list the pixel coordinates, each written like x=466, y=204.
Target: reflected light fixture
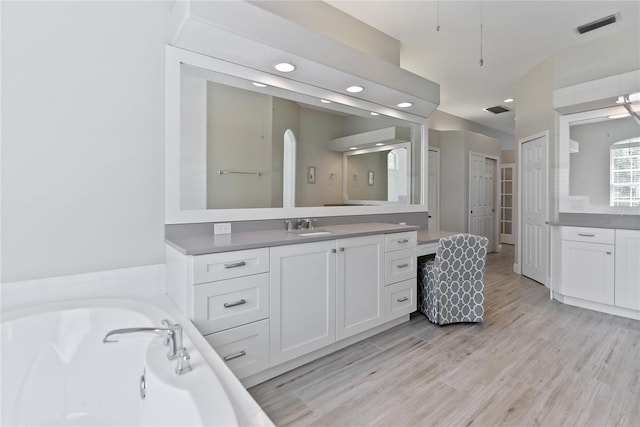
x=509, y=100
x=285, y=67
x=325, y=101
x=373, y=113
x=353, y=148
x=379, y=144
x=405, y=104
x=258, y=84
x=355, y=89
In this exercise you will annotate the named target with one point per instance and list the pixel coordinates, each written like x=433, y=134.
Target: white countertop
x=432, y=236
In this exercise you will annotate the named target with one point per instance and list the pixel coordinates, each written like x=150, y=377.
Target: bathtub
x=57, y=371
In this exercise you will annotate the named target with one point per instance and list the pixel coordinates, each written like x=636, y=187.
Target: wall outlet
x=222, y=228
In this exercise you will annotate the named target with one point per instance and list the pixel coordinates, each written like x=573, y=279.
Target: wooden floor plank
x=532, y=362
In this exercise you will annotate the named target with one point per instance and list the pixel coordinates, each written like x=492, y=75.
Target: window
x=625, y=173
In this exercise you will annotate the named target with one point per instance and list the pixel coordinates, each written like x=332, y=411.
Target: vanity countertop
x=432, y=236
x=208, y=243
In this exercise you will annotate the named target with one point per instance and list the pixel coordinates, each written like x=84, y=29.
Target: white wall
x=440, y=120
x=82, y=136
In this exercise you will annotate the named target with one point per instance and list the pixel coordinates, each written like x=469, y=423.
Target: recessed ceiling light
x=379, y=144
x=355, y=89
x=509, y=100
x=405, y=104
x=285, y=67
x=258, y=84
x=325, y=101
x=373, y=113
x=619, y=116
x=353, y=148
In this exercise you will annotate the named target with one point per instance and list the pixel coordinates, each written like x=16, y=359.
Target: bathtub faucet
x=172, y=333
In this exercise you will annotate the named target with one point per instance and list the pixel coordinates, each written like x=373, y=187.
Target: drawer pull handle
x=403, y=299
x=608, y=252
x=234, y=356
x=403, y=241
x=586, y=235
x=233, y=304
x=235, y=264
x=405, y=265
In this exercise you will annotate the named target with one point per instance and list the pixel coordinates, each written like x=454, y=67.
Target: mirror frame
x=564, y=128
x=175, y=58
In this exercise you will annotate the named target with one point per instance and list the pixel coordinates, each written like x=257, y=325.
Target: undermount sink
x=312, y=233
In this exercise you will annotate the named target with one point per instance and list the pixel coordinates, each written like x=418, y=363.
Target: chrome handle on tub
x=233, y=304
x=403, y=299
x=235, y=264
x=405, y=265
x=234, y=356
x=403, y=241
x=586, y=235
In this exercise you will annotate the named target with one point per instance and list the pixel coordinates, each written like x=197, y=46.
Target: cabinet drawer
x=427, y=249
x=398, y=241
x=587, y=234
x=229, y=303
x=226, y=265
x=244, y=349
x=400, y=299
x=400, y=265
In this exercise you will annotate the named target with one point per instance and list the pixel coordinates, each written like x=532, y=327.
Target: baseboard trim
x=516, y=268
x=596, y=306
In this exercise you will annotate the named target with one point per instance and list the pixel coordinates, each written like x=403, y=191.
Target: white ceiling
x=517, y=35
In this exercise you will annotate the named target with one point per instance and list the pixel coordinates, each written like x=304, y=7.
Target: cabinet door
x=302, y=299
x=359, y=285
x=587, y=271
x=628, y=269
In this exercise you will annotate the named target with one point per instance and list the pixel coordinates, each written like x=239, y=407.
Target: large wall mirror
x=243, y=144
x=600, y=162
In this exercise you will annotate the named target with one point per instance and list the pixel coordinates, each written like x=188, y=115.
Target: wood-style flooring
x=532, y=362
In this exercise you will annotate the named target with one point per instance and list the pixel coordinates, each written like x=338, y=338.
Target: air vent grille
x=497, y=109
x=598, y=23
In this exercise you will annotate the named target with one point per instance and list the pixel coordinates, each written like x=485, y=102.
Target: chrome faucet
x=172, y=334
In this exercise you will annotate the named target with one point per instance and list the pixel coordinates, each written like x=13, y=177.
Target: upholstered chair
x=452, y=283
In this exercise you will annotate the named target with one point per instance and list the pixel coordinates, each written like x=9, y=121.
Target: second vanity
x=269, y=301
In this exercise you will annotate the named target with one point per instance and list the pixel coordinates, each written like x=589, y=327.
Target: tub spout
x=172, y=334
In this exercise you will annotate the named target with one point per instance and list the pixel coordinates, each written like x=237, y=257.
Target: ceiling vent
x=497, y=109
x=598, y=23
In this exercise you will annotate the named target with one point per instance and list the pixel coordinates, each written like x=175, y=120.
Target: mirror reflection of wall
x=232, y=148
x=590, y=158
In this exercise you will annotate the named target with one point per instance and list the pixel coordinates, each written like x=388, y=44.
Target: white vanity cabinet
x=359, y=285
x=303, y=278
x=600, y=269
x=627, y=269
x=226, y=295
x=588, y=264
x=400, y=274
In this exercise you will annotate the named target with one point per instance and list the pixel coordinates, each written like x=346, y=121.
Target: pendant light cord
x=438, y=15
x=481, y=59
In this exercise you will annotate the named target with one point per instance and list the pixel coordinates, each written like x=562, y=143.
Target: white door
x=359, y=285
x=482, y=208
x=302, y=293
x=434, y=190
x=534, y=209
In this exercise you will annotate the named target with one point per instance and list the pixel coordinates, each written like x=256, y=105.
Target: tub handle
x=233, y=304
x=234, y=356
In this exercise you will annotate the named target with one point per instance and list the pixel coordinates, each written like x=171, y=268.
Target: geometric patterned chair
x=453, y=282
